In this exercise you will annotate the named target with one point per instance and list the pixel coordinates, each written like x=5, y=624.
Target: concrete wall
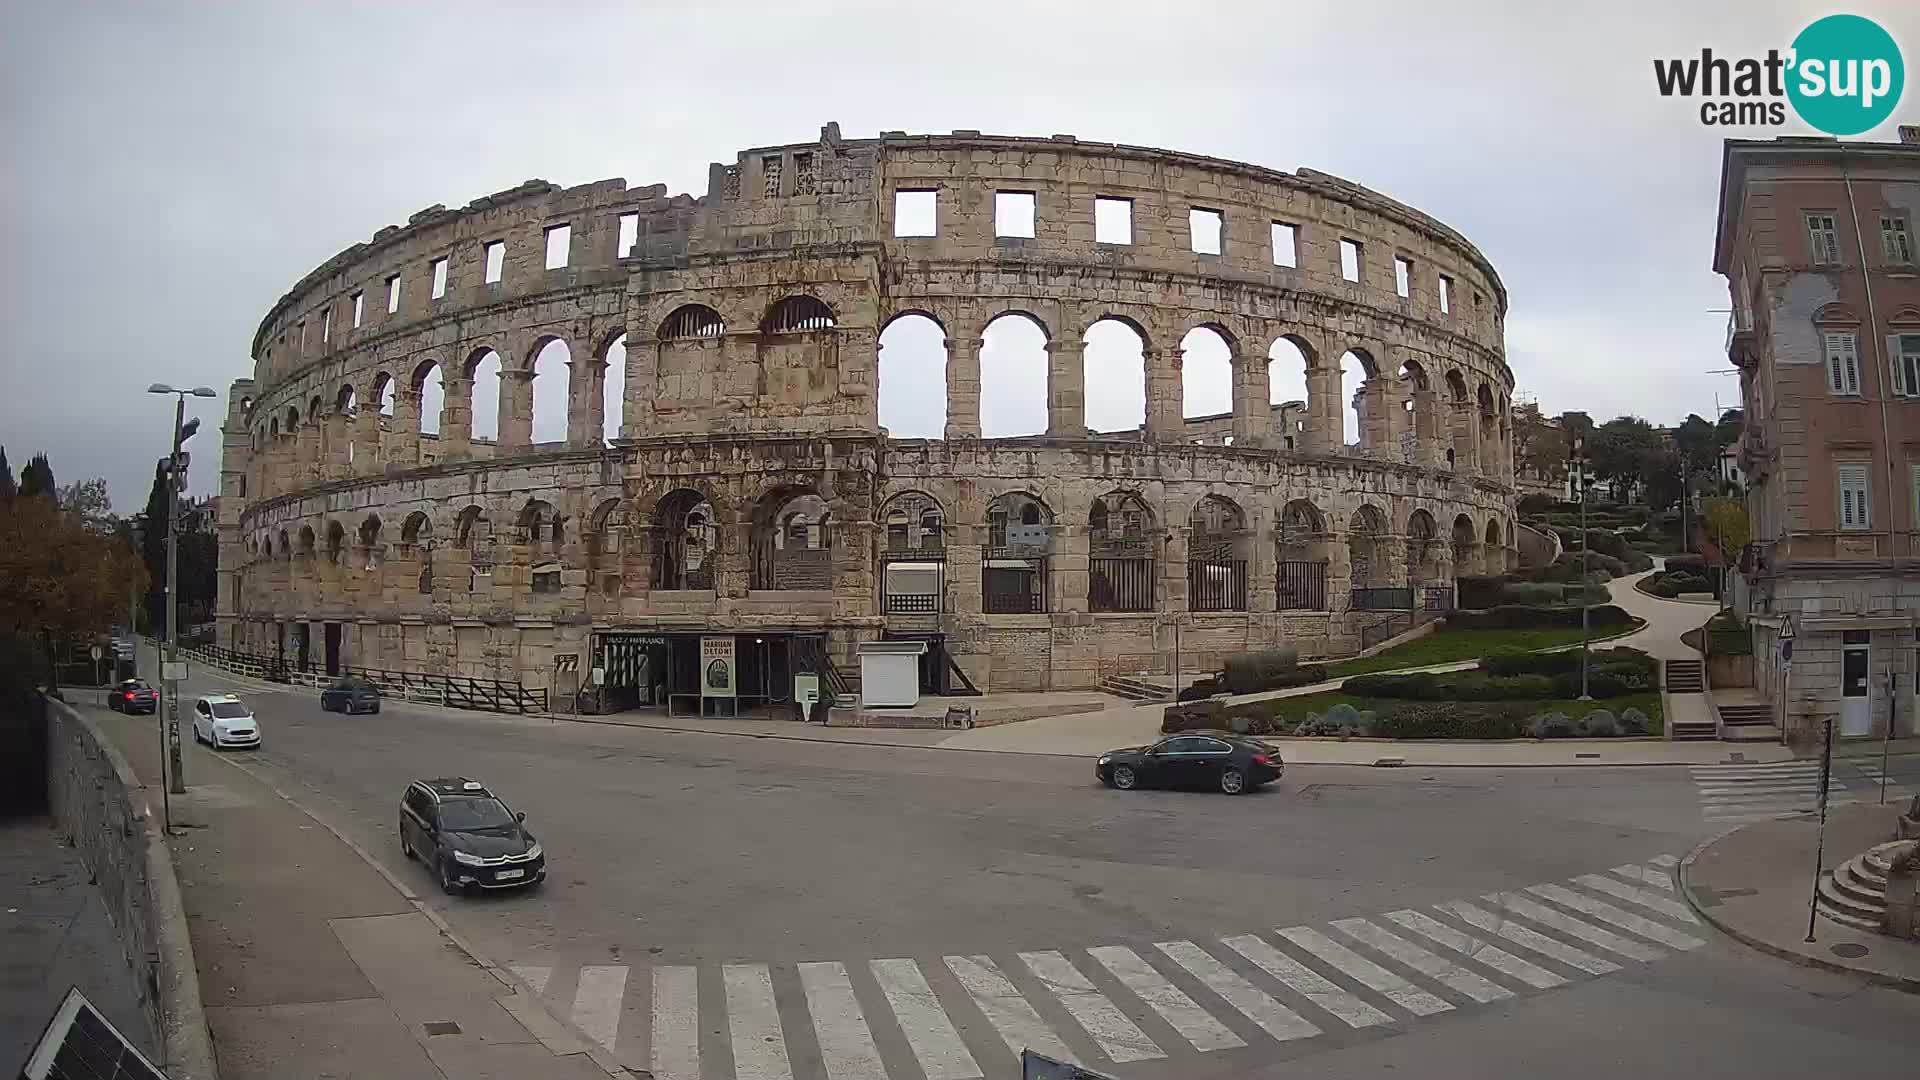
x=101, y=809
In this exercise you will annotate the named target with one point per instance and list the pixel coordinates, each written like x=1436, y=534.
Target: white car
x=221, y=720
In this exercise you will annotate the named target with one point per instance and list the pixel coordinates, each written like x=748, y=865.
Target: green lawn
x=1296, y=708
x=1446, y=646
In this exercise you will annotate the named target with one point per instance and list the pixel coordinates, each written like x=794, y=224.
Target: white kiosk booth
x=890, y=672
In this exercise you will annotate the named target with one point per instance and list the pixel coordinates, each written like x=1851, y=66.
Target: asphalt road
x=719, y=896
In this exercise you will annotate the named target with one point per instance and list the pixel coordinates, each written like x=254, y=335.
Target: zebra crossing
x=1147, y=1006
x=1733, y=794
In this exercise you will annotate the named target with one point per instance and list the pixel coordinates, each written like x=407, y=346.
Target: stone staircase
x=1134, y=688
x=1855, y=892
x=1686, y=677
x=1748, y=722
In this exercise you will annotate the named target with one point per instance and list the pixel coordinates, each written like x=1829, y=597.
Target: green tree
x=7, y=487
x=88, y=500
x=1621, y=452
x=1540, y=446
x=1660, y=473
x=58, y=581
x=37, y=478
x=1576, y=423
x=1727, y=431
x=1698, y=443
x=1726, y=524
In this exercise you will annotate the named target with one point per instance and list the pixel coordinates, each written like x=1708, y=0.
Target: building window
x=1446, y=294
x=915, y=213
x=393, y=294
x=1013, y=213
x=439, y=278
x=1286, y=250
x=1896, y=241
x=1403, y=276
x=1823, y=239
x=1906, y=366
x=359, y=308
x=1856, y=511
x=1843, y=365
x=496, y=261
x=559, y=245
x=629, y=235
x=1914, y=522
x=1112, y=220
x=1204, y=228
x=326, y=325
x=1350, y=260
x=770, y=173
x=806, y=180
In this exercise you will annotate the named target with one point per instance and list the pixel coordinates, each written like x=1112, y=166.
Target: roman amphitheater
x=724, y=470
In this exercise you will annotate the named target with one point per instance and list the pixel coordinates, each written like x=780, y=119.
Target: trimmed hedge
x=1621, y=660
x=1529, y=617
x=1479, y=591
x=1409, y=720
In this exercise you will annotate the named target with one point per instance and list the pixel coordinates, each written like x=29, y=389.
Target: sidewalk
x=1755, y=884
x=314, y=964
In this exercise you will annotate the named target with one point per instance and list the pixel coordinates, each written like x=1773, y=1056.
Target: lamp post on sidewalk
x=176, y=772
x=1580, y=490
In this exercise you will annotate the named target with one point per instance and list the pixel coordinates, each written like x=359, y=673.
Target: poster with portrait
x=716, y=666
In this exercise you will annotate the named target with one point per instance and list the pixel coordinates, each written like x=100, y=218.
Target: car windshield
x=352, y=684
x=229, y=710
x=463, y=815
x=135, y=685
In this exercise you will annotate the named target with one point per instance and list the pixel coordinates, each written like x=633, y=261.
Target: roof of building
x=1738, y=154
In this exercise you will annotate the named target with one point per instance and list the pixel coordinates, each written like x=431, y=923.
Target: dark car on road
x=467, y=836
x=133, y=696
x=1214, y=761
x=350, y=695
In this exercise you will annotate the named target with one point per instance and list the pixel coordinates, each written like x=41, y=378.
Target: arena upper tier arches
x=749, y=486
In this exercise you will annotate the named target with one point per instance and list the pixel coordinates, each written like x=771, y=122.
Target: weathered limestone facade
x=752, y=487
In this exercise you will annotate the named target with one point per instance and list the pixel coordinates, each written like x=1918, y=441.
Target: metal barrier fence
x=480, y=695
x=1382, y=600
x=1121, y=584
x=1388, y=627
x=1217, y=584
x=1437, y=599
x=1301, y=585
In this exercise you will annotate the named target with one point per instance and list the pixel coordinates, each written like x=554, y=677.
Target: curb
x=592, y=1050
x=1907, y=984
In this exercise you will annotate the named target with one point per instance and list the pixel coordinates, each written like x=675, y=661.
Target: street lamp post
x=1580, y=489
x=176, y=766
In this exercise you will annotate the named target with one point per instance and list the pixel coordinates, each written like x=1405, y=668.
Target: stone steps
x=1855, y=892
x=1735, y=715
x=1686, y=677
x=1135, y=689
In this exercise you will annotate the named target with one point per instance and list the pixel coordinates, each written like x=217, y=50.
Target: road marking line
x=1514, y=932
x=1767, y=791
x=1253, y=1003
x=1625, y=920
x=1658, y=878
x=926, y=1025
x=1433, y=966
x=1009, y=1013
x=1306, y=982
x=676, y=1023
x=846, y=1045
x=753, y=1019
x=596, y=1004
x=1119, y=1038
x=1665, y=860
x=1672, y=909
x=1547, y=916
x=1194, y=1024
x=1779, y=768
x=1472, y=947
x=534, y=976
x=1366, y=972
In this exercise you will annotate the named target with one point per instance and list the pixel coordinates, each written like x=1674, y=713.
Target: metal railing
x=1391, y=599
x=482, y=695
x=1217, y=584
x=1121, y=585
x=913, y=603
x=1375, y=633
x=1437, y=598
x=1301, y=586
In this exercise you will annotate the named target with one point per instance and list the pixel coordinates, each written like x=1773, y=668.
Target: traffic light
x=187, y=431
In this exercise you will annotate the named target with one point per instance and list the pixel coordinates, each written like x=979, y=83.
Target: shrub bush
x=1550, y=726
x=1620, y=661
x=1201, y=688
x=1530, y=617
x=1599, y=724
x=1534, y=505
x=1449, y=720
x=1248, y=672
x=1531, y=592
x=1634, y=722
x=1600, y=684
x=1476, y=591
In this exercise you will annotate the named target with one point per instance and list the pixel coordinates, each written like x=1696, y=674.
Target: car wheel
x=1233, y=781
x=1125, y=778
x=447, y=884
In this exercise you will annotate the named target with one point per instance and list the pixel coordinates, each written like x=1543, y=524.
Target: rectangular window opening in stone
x=359, y=308
x=1402, y=276
x=770, y=168
x=1895, y=240
x=1843, y=364
x=1446, y=294
x=629, y=235
x=559, y=243
x=805, y=178
x=496, y=261
x=1350, y=260
x=1112, y=220
x=393, y=294
x=300, y=335
x=1013, y=213
x=1204, y=228
x=439, y=277
x=1855, y=508
x=326, y=325
x=1823, y=239
x=914, y=213
x=1906, y=365
x=1285, y=244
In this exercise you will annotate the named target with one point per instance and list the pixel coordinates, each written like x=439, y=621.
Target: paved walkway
x=1755, y=883
x=55, y=935
x=313, y=963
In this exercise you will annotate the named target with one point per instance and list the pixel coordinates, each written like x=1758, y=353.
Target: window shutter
x=1852, y=361
x=1834, y=382
x=1854, y=508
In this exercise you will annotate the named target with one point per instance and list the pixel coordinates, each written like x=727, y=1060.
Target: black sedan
x=1213, y=761
x=468, y=837
x=350, y=695
x=133, y=696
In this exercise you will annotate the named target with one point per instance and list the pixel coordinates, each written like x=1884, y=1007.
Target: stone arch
x=1206, y=372
x=612, y=372
x=1367, y=532
x=1496, y=547
x=1014, y=375
x=912, y=373
x=606, y=546
x=336, y=541
x=1466, y=545
x=912, y=522
x=1365, y=409
x=550, y=370
x=315, y=409
x=799, y=313
x=1303, y=549
x=541, y=528
x=1123, y=545
x=913, y=569
x=380, y=398
x=369, y=532
x=1423, y=548
x=684, y=540
x=483, y=371
x=791, y=540
x=345, y=401
x=1014, y=576
x=1114, y=376
x=416, y=539
x=293, y=420
x=691, y=321
x=1219, y=550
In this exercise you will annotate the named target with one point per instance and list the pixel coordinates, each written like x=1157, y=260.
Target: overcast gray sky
x=170, y=169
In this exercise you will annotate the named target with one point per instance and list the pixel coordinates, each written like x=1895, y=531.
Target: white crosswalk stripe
x=1254, y=1003
x=1731, y=794
x=1194, y=1023
x=1223, y=991
x=1009, y=1013
x=846, y=1045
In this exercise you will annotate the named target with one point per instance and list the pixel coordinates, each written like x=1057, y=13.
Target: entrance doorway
x=333, y=648
x=1856, y=687
x=300, y=637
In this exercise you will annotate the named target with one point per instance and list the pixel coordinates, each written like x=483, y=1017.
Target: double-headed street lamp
x=176, y=773
x=1580, y=491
